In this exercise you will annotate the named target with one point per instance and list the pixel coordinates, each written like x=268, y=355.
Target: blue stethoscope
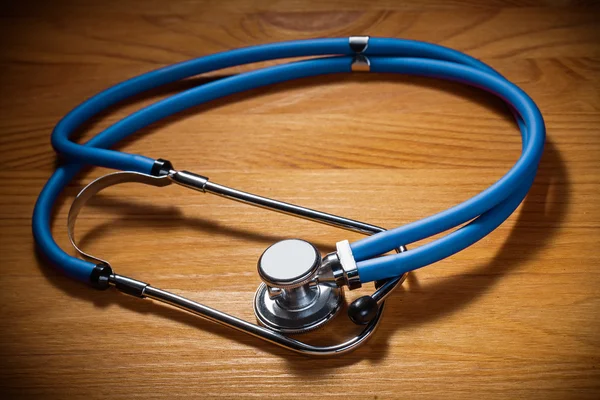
x=301, y=290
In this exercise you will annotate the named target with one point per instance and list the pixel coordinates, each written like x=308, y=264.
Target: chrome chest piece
x=290, y=299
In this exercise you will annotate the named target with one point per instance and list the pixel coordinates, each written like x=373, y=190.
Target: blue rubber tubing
x=486, y=210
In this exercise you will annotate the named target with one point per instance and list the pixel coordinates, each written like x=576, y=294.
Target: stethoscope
x=300, y=290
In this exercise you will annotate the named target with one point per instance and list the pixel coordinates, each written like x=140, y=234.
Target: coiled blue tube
x=489, y=208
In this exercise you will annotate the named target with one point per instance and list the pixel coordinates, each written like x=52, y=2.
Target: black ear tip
x=362, y=310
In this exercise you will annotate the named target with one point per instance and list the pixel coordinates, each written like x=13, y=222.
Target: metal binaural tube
x=198, y=182
x=201, y=183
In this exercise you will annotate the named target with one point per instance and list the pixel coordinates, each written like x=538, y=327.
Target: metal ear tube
x=300, y=291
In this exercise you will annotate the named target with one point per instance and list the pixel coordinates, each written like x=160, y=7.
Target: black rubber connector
x=363, y=310
x=100, y=276
x=161, y=167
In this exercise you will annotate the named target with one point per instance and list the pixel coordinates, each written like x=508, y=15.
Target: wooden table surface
x=514, y=316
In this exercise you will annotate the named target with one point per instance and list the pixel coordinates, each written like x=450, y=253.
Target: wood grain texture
x=515, y=316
